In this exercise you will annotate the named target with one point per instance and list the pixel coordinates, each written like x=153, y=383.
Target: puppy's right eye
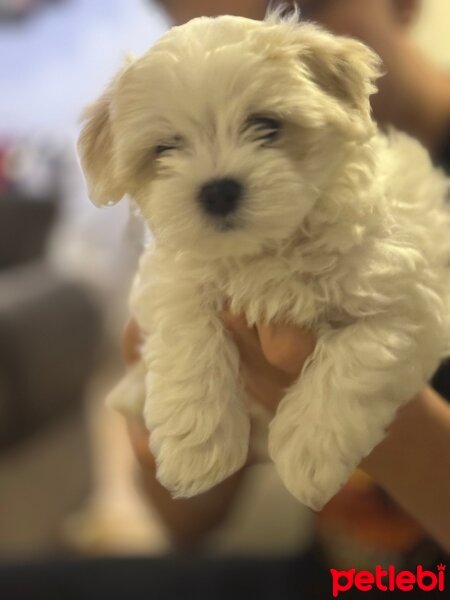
x=163, y=148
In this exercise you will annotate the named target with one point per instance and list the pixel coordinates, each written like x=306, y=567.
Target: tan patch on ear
x=333, y=82
x=96, y=148
x=345, y=69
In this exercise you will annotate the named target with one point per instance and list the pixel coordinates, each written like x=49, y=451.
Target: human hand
x=272, y=357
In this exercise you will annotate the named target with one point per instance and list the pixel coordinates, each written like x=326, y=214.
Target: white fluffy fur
x=341, y=229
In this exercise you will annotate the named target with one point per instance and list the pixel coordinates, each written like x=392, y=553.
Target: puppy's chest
x=272, y=289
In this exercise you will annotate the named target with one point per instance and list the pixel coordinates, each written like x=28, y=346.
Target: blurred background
x=65, y=269
x=68, y=483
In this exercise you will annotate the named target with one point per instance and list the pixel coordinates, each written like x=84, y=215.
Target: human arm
x=412, y=463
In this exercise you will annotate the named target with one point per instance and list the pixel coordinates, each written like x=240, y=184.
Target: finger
x=286, y=347
x=245, y=337
x=237, y=324
x=131, y=342
x=264, y=382
x=279, y=350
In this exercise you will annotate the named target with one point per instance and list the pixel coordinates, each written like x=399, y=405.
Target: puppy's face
x=227, y=131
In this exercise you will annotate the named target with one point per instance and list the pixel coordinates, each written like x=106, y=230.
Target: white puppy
x=250, y=150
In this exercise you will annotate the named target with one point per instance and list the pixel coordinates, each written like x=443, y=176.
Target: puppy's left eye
x=266, y=129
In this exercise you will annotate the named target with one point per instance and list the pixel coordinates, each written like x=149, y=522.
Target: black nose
x=221, y=196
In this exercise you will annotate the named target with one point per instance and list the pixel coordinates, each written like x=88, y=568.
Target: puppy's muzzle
x=220, y=197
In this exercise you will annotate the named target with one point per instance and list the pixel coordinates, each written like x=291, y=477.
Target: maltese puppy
x=250, y=151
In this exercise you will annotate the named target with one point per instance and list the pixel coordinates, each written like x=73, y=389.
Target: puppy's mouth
x=226, y=224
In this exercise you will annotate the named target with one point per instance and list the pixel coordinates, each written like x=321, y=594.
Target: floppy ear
x=343, y=68
x=96, y=147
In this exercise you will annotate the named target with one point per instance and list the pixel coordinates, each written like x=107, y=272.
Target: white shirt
x=52, y=65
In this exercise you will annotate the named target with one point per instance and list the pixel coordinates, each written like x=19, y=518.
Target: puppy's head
x=227, y=131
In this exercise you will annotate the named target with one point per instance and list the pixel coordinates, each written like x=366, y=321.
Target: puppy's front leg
x=194, y=409
x=338, y=409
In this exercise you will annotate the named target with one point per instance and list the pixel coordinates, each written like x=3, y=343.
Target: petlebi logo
x=388, y=580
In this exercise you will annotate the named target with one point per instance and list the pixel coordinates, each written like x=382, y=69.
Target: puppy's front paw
x=187, y=466
x=306, y=462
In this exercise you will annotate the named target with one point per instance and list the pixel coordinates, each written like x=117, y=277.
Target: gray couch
x=50, y=330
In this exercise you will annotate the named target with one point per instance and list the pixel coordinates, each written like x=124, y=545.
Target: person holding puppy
x=415, y=97
x=413, y=461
